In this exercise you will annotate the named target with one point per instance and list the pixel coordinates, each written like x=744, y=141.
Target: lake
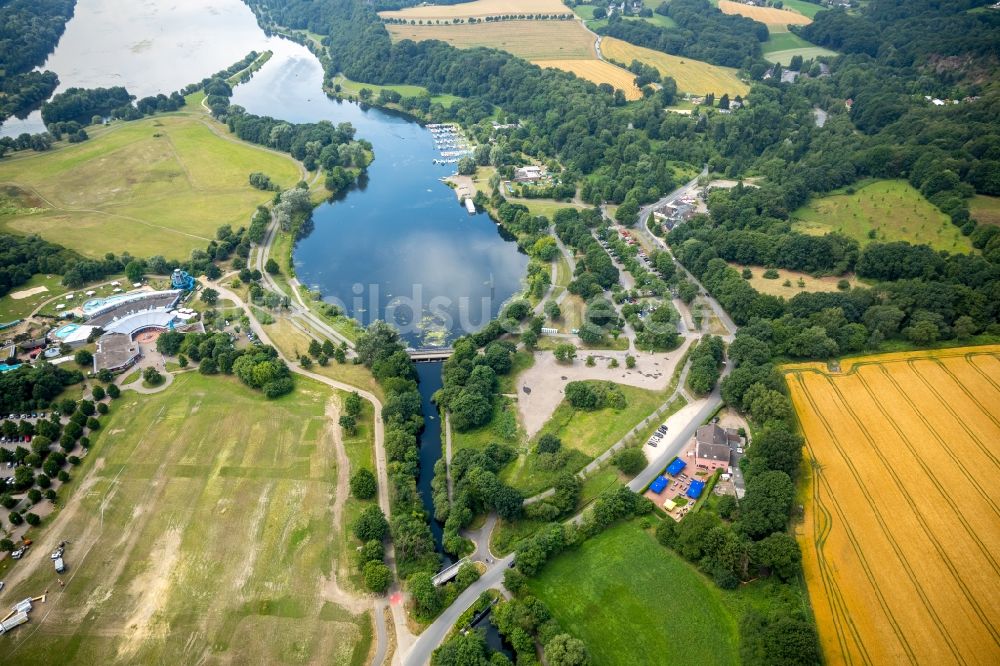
x=398, y=247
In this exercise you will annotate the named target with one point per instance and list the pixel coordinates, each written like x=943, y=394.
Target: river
x=398, y=247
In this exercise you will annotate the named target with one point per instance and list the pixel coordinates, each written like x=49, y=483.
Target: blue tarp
x=694, y=492
x=676, y=466
x=658, y=484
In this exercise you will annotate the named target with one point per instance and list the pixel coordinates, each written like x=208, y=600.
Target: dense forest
x=29, y=31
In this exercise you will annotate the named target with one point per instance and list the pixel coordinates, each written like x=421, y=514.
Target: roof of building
x=114, y=350
x=658, y=484
x=717, y=452
x=715, y=434
x=676, y=466
x=131, y=323
x=695, y=489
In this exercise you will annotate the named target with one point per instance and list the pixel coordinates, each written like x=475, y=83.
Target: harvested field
x=901, y=538
x=598, y=71
x=692, y=76
x=480, y=9
x=531, y=40
x=777, y=20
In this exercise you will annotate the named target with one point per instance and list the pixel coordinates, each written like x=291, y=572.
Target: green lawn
x=893, y=208
x=584, y=435
x=802, y=7
x=17, y=308
x=160, y=185
x=632, y=601
x=781, y=47
x=504, y=413
x=522, y=360
x=350, y=87
x=200, y=531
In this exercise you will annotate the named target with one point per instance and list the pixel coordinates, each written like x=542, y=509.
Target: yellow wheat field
x=531, y=40
x=777, y=20
x=901, y=538
x=598, y=71
x=693, y=76
x=480, y=9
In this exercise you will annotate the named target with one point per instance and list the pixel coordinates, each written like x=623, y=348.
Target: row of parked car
x=26, y=417
x=658, y=435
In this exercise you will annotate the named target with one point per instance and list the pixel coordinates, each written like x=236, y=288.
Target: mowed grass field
x=893, y=208
x=901, y=538
x=531, y=40
x=564, y=45
x=479, y=9
x=201, y=532
x=632, y=601
x=781, y=47
x=776, y=20
x=160, y=185
x=693, y=76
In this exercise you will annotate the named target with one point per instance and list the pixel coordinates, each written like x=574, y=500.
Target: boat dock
x=450, y=142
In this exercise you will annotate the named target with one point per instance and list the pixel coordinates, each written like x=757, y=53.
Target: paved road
x=382, y=641
x=433, y=636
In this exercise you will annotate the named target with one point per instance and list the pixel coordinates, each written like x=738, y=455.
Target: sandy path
x=25, y=293
x=540, y=388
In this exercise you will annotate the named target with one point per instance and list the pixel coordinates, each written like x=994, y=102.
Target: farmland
x=479, y=9
x=662, y=609
x=776, y=20
x=900, y=538
x=691, y=76
x=892, y=208
x=202, y=532
x=598, y=71
x=531, y=40
x=564, y=45
x=160, y=185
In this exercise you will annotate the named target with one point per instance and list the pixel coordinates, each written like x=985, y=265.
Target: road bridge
x=428, y=354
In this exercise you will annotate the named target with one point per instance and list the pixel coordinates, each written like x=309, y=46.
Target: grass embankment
x=892, y=208
x=781, y=47
x=160, y=185
x=203, y=531
x=632, y=601
x=692, y=76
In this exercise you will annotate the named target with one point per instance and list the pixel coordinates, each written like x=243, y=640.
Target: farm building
x=115, y=352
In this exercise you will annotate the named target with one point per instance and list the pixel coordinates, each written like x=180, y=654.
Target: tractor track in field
x=839, y=612
x=927, y=470
x=971, y=355
x=961, y=422
x=944, y=445
x=968, y=393
x=928, y=532
x=856, y=546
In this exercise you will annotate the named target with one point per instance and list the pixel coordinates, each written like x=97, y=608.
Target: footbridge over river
x=427, y=354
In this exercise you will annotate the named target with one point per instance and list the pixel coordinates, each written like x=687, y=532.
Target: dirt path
x=331, y=589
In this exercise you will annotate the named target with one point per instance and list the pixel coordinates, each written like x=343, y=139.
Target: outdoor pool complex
x=95, y=304
x=65, y=331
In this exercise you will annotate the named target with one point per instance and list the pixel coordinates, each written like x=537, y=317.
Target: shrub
x=363, y=484
x=770, y=274
x=629, y=361
x=7, y=501
x=630, y=461
x=548, y=443
x=371, y=525
x=114, y=392
x=377, y=575
x=152, y=376
x=102, y=408
x=32, y=519
x=34, y=495
x=15, y=518
x=64, y=475
x=98, y=392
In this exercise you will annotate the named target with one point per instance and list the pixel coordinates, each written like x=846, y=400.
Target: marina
x=450, y=142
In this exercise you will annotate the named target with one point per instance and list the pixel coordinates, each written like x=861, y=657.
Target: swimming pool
x=66, y=331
